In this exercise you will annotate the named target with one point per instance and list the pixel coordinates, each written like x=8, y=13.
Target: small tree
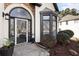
x=68, y=11
x=73, y=12
x=62, y=38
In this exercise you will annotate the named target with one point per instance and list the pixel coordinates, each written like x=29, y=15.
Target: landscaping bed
x=63, y=45
x=72, y=49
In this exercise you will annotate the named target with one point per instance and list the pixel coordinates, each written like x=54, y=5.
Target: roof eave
x=56, y=7
x=37, y=4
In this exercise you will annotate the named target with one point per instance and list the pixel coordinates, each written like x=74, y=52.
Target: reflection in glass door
x=21, y=30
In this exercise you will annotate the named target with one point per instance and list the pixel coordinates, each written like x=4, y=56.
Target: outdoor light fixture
x=6, y=15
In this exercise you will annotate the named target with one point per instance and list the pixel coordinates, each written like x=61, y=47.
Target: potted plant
x=8, y=47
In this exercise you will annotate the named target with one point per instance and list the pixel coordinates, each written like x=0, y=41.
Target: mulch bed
x=71, y=49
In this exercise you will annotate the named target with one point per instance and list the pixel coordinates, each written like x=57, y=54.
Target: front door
x=21, y=30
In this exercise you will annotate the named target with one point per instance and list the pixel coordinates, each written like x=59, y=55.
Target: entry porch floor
x=29, y=49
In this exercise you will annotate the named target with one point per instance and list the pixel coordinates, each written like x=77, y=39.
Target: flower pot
x=7, y=51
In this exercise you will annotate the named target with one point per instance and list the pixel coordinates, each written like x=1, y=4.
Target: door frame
x=30, y=20
x=16, y=19
x=24, y=19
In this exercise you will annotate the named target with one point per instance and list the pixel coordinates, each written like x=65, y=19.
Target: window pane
x=12, y=30
x=28, y=29
x=54, y=28
x=20, y=12
x=29, y=26
x=21, y=27
x=54, y=18
x=45, y=27
x=66, y=22
x=45, y=17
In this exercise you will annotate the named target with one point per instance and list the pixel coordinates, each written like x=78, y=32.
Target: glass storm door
x=21, y=30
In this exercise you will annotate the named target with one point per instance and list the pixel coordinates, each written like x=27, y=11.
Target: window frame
x=66, y=22
x=60, y=23
x=51, y=15
x=30, y=20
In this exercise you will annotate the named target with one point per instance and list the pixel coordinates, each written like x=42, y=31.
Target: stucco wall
x=7, y=7
x=4, y=26
x=37, y=18
x=74, y=26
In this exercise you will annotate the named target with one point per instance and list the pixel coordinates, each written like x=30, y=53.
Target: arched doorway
x=20, y=25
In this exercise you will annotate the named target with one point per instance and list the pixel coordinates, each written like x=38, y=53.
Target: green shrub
x=62, y=37
x=69, y=32
x=8, y=42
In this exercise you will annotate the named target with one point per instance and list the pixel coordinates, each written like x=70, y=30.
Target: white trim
x=27, y=31
x=15, y=31
x=16, y=19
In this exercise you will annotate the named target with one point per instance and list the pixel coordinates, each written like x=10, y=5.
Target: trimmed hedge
x=69, y=32
x=64, y=36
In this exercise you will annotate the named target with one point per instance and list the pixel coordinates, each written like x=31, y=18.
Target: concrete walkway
x=29, y=49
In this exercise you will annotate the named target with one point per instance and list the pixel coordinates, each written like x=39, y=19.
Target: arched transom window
x=20, y=12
